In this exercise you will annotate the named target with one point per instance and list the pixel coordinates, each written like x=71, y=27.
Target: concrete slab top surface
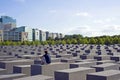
x=81, y=62
x=22, y=60
x=116, y=56
x=74, y=69
x=2, y=69
x=55, y=63
x=86, y=60
x=106, y=73
x=106, y=61
x=22, y=65
x=37, y=77
x=11, y=75
x=104, y=65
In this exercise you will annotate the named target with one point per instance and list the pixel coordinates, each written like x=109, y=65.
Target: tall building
x=47, y=35
x=42, y=35
x=36, y=35
x=28, y=30
x=7, y=23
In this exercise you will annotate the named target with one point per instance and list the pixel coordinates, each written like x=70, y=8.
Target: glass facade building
x=9, y=31
x=7, y=23
x=26, y=29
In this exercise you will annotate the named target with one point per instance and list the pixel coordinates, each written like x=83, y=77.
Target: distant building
x=24, y=36
x=15, y=36
x=7, y=23
x=50, y=35
x=61, y=35
x=1, y=35
x=9, y=32
x=11, y=36
x=36, y=34
x=28, y=30
x=47, y=35
x=42, y=35
x=54, y=35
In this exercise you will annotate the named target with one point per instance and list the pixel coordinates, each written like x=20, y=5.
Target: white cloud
x=102, y=21
x=84, y=14
x=95, y=31
x=98, y=21
x=85, y=30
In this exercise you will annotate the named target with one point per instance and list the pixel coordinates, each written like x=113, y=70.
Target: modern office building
x=36, y=35
x=9, y=32
x=50, y=35
x=24, y=36
x=42, y=35
x=12, y=35
x=28, y=31
x=47, y=35
x=7, y=23
x=54, y=35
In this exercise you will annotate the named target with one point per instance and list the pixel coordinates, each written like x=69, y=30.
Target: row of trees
x=71, y=39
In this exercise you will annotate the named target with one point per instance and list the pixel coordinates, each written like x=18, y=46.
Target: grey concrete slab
x=82, y=64
x=102, y=57
x=48, y=69
x=25, y=69
x=37, y=77
x=11, y=76
x=106, y=66
x=8, y=65
x=69, y=60
x=87, y=56
x=64, y=55
x=86, y=60
x=73, y=74
x=115, y=57
x=2, y=71
x=104, y=75
x=105, y=61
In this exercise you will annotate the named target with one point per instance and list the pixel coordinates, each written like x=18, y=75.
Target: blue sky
x=86, y=17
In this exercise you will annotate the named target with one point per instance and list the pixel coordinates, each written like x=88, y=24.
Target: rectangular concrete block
x=82, y=64
x=86, y=60
x=2, y=71
x=8, y=65
x=104, y=75
x=87, y=56
x=102, y=57
x=73, y=74
x=35, y=57
x=25, y=69
x=69, y=60
x=11, y=76
x=48, y=69
x=105, y=61
x=37, y=77
x=106, y=66
x=115, y=58
x=64, y=55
